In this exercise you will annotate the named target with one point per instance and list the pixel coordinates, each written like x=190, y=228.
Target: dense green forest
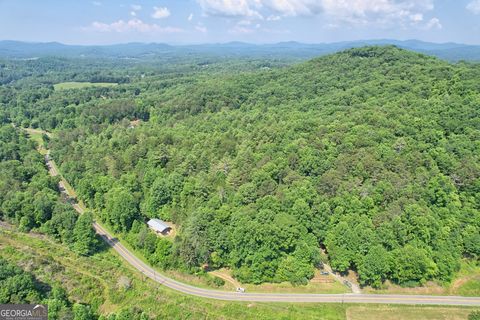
x=371, y=154
x=30, y=198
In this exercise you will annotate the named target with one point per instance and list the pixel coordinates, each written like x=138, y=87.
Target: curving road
x=263, y=297
x=279, y=297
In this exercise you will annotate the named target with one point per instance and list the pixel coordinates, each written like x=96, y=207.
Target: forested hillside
x=29, y=196
x=290, y=50
x=371, y=154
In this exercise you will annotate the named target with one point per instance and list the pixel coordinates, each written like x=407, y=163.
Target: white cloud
x=276, y=31
x=201, y=28
x=434, y=23
x=355, y=12
x=160, y=12
x=474, y=6
x=96, y=3
x=273, y=18
x=417, y=17
x=231, y=8
x=331, y=26
x=132, y=25
x=245, y=27
x=136, y=7
x=133, y=13
x=296, y=7
x=241, y=30
x=382, y=12
x=244, y=23
x=190, y=17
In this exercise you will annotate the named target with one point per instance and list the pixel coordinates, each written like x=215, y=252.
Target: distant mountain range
x=26, y=50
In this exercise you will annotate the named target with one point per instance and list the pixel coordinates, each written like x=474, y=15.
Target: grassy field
x=80, y=85
x=97, y=280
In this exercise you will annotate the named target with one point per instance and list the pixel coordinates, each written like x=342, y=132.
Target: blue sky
x=256, y=21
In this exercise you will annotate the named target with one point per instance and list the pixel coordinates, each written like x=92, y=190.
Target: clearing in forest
x=80, y=85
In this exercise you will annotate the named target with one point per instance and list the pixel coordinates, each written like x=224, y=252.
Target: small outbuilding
x=159, y=226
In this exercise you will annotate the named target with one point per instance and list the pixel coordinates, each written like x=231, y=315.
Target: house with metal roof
x=159, y=226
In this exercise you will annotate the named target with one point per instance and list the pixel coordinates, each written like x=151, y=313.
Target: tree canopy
x=371, y=154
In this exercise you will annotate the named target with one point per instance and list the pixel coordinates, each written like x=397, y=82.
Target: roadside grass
x=81, y=85
x=287, y=287
x=429, y=288
x=201, y=281
x=470, y=288
x=313, y=286
x=465, y=283
x=67, y=186
x=96, y=280
x=407, y=313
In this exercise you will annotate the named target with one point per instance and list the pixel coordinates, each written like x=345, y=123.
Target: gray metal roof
x=157, y=225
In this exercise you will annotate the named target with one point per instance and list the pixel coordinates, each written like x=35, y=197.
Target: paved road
x=269, y=297
x=52, y=168
x=279, y=297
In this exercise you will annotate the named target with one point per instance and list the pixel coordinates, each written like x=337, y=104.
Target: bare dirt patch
x=225, y=275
